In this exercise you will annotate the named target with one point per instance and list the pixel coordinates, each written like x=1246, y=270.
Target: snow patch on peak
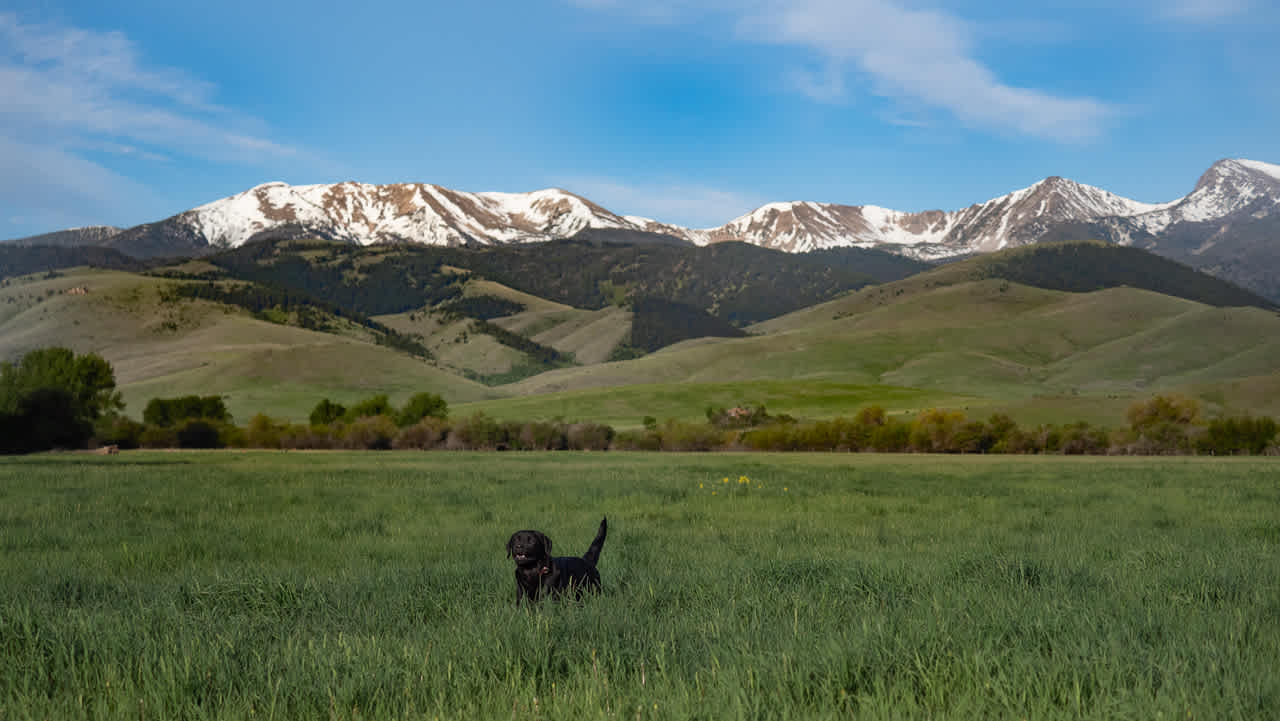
x=1261, y=167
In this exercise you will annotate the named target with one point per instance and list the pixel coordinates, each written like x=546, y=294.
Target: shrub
x=1239, y=435
x=649, y=439
x=326, y=412
x=1080, y=439
x=935, y=430
x=542, y=436
x=198, y=433
x=678, y=436
x=422, y=405
x=158, y=437
x=479, y=432
x=378, y=405
x=589, y=436
x=263, y=432
x=298, y=436
x=118, y=430
x=171, y=411
x=426, y=434
x=1163, y=424
x=374, y=433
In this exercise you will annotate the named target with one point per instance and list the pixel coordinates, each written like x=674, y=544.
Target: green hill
x=968, y=335
x=998, y=345
x=163, y=345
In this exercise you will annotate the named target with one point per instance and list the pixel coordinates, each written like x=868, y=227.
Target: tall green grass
x=374, y=585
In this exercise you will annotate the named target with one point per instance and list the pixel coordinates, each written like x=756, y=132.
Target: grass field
x=374, y=585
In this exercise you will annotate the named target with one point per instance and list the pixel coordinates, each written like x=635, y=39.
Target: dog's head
x=529, y=547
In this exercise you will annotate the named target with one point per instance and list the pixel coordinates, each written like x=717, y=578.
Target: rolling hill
x=1046, y=333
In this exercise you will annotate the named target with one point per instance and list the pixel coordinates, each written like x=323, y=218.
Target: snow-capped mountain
x=1015, y=219
x=1236, y=203
x=405, y=212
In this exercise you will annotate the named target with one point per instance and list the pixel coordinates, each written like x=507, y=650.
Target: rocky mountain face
x=1226, y=225
x=90, y=235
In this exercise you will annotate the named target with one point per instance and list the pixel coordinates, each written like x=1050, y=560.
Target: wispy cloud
x=71, y=92
x=679, y=203
x=925, y=56
x=919, y=56
x=68, y=83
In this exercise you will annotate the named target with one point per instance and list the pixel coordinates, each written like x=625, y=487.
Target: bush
x=378, y=405
x=374, y=433
x=199, y=433
x=1237, y=436
x=479, y=432
x=171, y=411
x=263, y=432
x=648, y=439
x=589, y=436
x=541, y=436
x=158, y=437
x=678, y=436
x=118, y=430
x=326, y=412
x=422, y=405
x=425, y=435
x=298, y=436
x=1163, y=424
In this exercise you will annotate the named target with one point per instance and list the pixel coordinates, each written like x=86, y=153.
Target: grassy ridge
x=374, y=586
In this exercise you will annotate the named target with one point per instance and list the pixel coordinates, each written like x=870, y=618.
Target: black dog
x=538, y=573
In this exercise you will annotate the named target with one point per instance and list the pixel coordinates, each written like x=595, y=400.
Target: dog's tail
x=592, y=555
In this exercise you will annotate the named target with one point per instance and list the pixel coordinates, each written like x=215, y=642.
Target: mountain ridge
x=1230, y=194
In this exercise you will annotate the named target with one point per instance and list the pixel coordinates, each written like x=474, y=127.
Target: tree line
x=53, y=398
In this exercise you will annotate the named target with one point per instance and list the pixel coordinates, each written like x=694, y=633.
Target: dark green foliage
x=484, y=307
x=422, y=405
x=658, y=323
x=52, y=397
x=311, y=313
x=1163, y=424
x=737, y=282
x=326, y=412
x=1081, y=267
x=383, y=283
x=198, y=433
x=1244, y=435
x=171, y=411
x=538, y=353
x=118, y=430
x=378, y=405
x=22, y=260
x=45, y=418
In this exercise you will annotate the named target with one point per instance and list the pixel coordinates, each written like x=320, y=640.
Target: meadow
x=219, y=585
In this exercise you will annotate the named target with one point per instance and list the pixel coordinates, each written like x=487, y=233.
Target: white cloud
x=920, y=57
x=68, y=91
x=924, y=56
x=676, y=203
x=62, y=83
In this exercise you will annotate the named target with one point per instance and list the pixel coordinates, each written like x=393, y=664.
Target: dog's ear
x=511, y=542
x=546, y=543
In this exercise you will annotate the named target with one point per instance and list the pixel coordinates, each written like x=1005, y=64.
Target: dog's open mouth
x=522, y=556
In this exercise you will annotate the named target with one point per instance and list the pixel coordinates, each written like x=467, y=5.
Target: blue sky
x=690, y=111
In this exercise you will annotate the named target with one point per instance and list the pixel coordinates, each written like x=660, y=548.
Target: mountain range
x=1228, y=225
